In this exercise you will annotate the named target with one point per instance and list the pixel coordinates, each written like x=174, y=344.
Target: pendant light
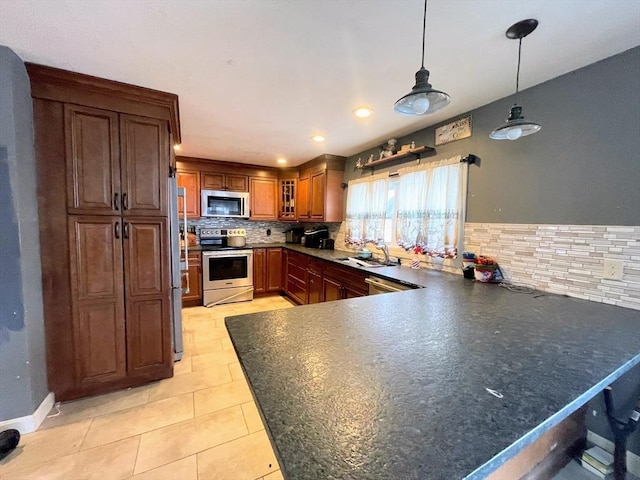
x=516, y=126
x=422, y=100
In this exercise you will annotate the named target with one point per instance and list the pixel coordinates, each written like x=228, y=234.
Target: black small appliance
x=294, y=235
x=311, y=238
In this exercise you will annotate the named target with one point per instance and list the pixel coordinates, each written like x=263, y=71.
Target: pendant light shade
x=422, y=99
x=516, y=126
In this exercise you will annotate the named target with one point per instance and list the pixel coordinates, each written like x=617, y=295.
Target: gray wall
x=23, y=381
x=582, y=168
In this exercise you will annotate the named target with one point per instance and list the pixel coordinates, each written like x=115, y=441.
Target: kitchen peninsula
x=444, y=382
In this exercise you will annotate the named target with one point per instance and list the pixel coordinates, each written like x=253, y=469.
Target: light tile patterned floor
x=202, y=424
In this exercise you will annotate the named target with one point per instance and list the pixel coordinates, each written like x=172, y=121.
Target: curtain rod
x=470, y=159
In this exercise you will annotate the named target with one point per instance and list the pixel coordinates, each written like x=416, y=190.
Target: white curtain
x=366, y=209
x=430, y=207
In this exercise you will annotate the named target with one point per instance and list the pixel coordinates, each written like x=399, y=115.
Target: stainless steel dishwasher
x=382, y=285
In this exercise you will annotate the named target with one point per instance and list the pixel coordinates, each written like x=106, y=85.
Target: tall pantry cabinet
x=103, y=162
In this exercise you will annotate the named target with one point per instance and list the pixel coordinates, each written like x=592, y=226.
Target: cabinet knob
x=125, y=202
x=116, y=229
x=116, y=206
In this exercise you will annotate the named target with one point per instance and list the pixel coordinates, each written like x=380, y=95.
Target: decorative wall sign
x=453, y=131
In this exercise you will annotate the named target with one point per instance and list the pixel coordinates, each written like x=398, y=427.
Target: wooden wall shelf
x=415, y=152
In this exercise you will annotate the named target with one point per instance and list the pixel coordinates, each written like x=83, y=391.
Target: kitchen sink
x=366, y=263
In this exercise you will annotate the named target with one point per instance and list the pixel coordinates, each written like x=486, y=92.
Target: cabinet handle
x=116, y=228
x=126, y=229
x=115, y=201
x=125, y=202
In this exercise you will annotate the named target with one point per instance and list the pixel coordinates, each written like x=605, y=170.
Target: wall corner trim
x=30, y=423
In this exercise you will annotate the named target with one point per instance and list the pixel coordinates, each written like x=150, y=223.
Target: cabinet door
x=303, y=206
x=287, y=189
x=147, y=288
x=262, y=196
x=316, y=197
x=144, y=150
x=259, y=266
x=191, y=183
x=331, y=289
x=213, y=181
x=193, y=278
x=273, y=275
x=98, y=299
x=92, y=161
x=314, y=287
x=237, y=183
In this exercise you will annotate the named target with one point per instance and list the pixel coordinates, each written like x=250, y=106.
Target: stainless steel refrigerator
x=177, y=266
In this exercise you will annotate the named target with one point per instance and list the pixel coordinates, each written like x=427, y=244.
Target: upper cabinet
x=320, y=196
x=115, y=163
x=225, y=181
x=263, y=198
x=313, y=192
x=190, y=181
x=287, y=189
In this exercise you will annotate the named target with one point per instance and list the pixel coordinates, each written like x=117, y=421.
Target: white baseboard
x=633, y=460
x=30, y=423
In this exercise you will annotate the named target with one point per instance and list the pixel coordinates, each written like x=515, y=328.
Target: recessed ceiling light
x=281, y=160
x=317, y=138
x=176, y=147
x=363, y=112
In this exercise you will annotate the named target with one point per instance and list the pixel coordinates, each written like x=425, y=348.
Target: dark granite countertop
x=395, y=386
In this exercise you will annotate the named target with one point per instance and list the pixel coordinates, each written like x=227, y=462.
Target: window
x=422, y=207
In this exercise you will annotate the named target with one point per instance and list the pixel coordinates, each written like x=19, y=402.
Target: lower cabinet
x=121, y=304
x=192, y=279
x=312, y=280
x=342, y=282
x=296, y=279
x=267, y=270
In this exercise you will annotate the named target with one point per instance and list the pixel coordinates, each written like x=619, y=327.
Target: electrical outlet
x=612, y=269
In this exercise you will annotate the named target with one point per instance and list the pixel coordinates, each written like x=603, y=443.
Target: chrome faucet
x=385, y=249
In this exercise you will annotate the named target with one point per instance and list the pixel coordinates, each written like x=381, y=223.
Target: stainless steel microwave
x=217, y=203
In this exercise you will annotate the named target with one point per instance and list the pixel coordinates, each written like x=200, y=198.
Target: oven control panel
x=222, y=232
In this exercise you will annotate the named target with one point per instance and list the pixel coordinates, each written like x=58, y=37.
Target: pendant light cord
x=518, y=71
x=424, y=29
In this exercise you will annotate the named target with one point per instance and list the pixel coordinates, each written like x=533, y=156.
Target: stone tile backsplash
x=564, y=259
x=257, y=231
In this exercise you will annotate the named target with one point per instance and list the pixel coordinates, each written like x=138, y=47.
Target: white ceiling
x=257, y=78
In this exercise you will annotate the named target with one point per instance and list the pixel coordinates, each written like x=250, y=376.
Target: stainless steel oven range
x=227, y=266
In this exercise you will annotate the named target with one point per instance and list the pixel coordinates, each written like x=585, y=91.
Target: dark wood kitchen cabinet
x=343, y=282
x=320, y=196
x=192, y=279
x=314, y=281
x=103, y=159
x=296, y=281
x=116, y=163
x=190, y=181
x=287, y=188
x=225, y=181
x=263, y=198
x=267, y=270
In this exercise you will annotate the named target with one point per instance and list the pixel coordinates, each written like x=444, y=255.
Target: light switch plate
x=612, y=269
